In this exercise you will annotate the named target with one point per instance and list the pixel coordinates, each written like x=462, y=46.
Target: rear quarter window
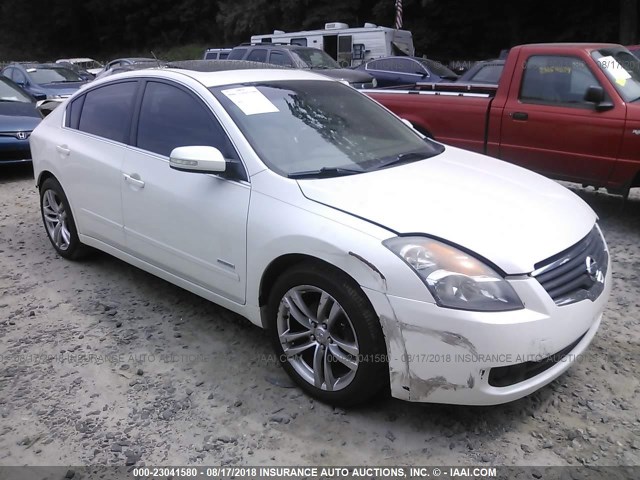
x=73, y=112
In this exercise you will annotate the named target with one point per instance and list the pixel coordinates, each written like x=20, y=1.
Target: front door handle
x=520, y=116
x=133, y=181
x=63, y=150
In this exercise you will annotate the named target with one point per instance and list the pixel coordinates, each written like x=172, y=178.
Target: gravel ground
x=101, y=363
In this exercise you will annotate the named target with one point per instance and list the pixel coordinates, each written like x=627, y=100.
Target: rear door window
x=107, y=111
x=237, y=54
x=258, y=55
x=276, y=57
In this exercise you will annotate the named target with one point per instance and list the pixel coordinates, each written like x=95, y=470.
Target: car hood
x=18, y=116
x=351, y=76
x=61, y=88
x=511, y=216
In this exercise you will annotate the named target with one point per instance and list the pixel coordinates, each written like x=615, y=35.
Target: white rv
x=349, y=46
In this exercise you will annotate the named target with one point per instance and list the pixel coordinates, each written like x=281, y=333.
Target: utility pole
x=628, y=22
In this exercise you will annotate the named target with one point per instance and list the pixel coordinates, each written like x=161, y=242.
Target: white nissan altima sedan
x=375, y=258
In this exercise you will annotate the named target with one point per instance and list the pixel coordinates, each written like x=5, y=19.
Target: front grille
x=512, y=374
x=577, y=273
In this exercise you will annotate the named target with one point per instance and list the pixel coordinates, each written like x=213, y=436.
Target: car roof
x=583, y=46
x=133, y=59
x=41, y=65
x=75, y=59
x=418, y=59
x=275, y=45
x=221, y=78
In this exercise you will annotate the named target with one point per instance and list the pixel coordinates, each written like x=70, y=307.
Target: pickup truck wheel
x=58, y=220
x=326, y=335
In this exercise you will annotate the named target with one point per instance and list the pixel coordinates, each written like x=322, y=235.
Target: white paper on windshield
x=250, y=100
x=617, y=71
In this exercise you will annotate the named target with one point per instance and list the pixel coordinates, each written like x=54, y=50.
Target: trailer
x=348, y=46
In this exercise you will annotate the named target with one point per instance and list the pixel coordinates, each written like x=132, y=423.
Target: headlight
x=374, y=82
x=54, y=97
x=455, y=278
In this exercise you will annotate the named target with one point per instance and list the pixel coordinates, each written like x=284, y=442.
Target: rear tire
x=326, y=335
x=58, y=221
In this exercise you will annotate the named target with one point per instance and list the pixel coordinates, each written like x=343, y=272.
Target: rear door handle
x=520, y=116
x=63, y=150
x=133, y=181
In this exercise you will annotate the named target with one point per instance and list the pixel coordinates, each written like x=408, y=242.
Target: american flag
x=398, y=24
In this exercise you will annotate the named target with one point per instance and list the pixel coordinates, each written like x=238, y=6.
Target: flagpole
x=398, y=22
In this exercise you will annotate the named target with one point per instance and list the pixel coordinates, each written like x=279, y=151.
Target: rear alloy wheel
x=58, y=220
x=327, y=335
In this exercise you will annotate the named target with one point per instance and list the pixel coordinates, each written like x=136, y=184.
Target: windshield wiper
x=403, y=158
x=324, y=172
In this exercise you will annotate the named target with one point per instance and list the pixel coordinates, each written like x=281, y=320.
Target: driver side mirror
x=595, y=94
x=197, y=159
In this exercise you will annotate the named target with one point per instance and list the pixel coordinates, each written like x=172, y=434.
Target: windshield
x=623, y=70
x=42, y=75
x=9, y=93
x=314, y=58
x=437, y=68
x=311, y=125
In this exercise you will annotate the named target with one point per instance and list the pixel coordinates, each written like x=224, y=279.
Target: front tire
x=326, y=335
x=58, y=220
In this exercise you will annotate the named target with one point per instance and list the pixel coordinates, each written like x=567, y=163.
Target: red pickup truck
x=568, y=111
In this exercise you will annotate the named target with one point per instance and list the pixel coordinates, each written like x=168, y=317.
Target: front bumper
x=442, y=355
x=13, y=150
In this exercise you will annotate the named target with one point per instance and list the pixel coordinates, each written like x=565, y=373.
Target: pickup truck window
x=623, y=70
x=557, y=80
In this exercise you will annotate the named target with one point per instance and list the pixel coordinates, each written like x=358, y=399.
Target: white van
x=216, y=53
x=349, y=46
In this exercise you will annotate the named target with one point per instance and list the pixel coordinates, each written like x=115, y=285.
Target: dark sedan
x=18, y=118
x=44, y=81
x=393, y=71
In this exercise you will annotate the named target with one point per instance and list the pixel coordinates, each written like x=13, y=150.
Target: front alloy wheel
x=327, y=336
x=318, y=338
